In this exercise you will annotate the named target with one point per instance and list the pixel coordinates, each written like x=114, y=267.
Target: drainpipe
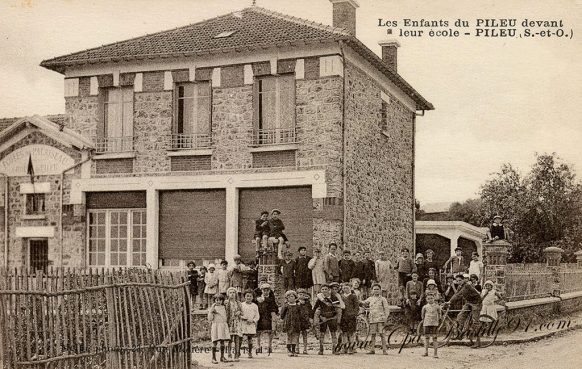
x=5, y=219
x=344, y=177
x=90, y=157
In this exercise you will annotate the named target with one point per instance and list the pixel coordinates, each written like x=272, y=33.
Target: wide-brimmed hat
x=290, y=292
x=419, y=255
x=431, y=281
x=275, y=210
x=211, y=266
x=429, y=251
x=488, y=282
x=265, y=285
x=231, y=289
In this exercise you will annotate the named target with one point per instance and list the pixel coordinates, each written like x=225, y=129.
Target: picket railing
x=527, y=281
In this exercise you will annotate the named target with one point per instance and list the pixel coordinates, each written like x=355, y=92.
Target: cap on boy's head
x=404, y=249
x=347, y=252
x=473, y=276
x=466, y=276
x=191, y=263
x=302, y=248
x=289, y=253
x=334, y=284
x=419, y=256
x=265, y=286
x=488, y=282
x=414, y=273
x=429, y=251
x=211, y=266
x=290, y=292
x=301, y=290
x=497, y=217
x=458, y=249
x=224, y=262
x=332, y=244
x=275, y=211
x=475, y=253
x=450, y=276
x=264, y=212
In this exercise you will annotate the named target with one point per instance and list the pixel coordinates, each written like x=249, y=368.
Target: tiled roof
x=254, y=28
x=55, y=118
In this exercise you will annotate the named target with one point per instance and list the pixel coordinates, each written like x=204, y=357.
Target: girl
x=211, y=282
x=356, y=283
x=306, y=315
x=291, y=314
x=219, y=327
x=267, y=310
x=249, y=319
x=233, y=314
x=489, y=297
x=431, y=287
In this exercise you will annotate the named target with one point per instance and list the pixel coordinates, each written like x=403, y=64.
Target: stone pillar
x=579, y=258
x=495, y=260
x=553, y=257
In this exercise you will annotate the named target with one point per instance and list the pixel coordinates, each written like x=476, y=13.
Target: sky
x=498, y=100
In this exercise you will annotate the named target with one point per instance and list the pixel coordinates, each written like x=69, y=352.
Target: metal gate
x=94, y=319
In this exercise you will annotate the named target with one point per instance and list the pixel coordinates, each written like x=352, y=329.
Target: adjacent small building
x=173, y=143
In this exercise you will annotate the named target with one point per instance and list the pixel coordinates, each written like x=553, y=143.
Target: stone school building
x=172, y=144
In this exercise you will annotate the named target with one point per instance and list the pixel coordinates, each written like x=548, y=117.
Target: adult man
x=303, y=277
x=347, y=267
x=331, y=264
x=472, y=307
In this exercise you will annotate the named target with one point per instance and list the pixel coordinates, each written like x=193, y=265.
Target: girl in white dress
x=219, y=327
x=249, y=318
x=489, y=295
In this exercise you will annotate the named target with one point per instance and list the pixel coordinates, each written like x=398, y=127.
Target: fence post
x=495, y=257
x=553, y=257
x=579, y=258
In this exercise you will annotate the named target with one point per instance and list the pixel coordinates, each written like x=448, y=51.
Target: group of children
x=269, y=232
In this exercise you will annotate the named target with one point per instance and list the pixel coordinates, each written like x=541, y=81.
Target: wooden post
x=112, y=354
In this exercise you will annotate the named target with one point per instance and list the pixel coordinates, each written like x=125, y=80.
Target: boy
x=405, y=267
x=476, y=266
x=262, y=231
x=496, y=231
x=378, y=316
x=291, y=315
x=211, y=283
x=472, y=307
x=429, y=262
x=327, y=312
x=456, y=262
x=306, y=315
x=359, y=267
x=432, y=275
x=420, y=266
x=223, y=277
x=267, y=310
x=276, y=228
x=288, y=272
x=317, y=271
x=369, y=272
x=331, y=264
x=236, y=275
x=475, y=282
x=203, y=301
x=347, y=267
x=383, y=268
x=348, y=322
x=414, y=295
x=193, y=279
x=431, y=317
x=303, y=277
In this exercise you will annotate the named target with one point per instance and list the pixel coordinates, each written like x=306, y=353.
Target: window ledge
x=193, y=152
x=282, y=147
x=33, y=217
x=115, y=155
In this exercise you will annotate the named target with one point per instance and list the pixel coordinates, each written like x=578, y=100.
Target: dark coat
x=306, y=314
x=360, y=270
x=303, y=278
x=347, y=268
x=369, y=272
x=291, y=315
x=261, y=230
x=193, y=279
x=266, y=307
x=276, y=227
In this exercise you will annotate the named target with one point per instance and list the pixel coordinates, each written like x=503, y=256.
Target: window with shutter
x=117, y=127
x=274, y=110
x=192, y=118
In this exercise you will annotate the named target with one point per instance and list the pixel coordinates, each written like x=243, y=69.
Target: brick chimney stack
x=390, y=53
x=344, y=14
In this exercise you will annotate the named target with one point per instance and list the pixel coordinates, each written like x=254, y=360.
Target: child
x=420, y=266
x=223, y=277
x=429, y=262
x=475, y=281
x=456, y=262
x=276, y=228
x=291, y=314
x=262, y=231
x=317, y=270
x=203, y=300
x=303, y=278
x=233, y=314
x=431, y=317
x=489, y=297
x=348, y=322
x=251, y=277
x=331, y=264
x=306, y=315
x=496, y=231
x=432, y=275
x=431, y=287
x=267, y=309
x=237, y=274
x=405, y=267
x=219, y=327
x=249, y=319
x=211, y=282
x=369, y=272
x=327, y=313
x=383, y=270
x=288, y=272
x=476, y=266
x=378, y=316
x=359, y=268
x=347, y=267
x=356, y=288
x=414, y=295
x=193, y=279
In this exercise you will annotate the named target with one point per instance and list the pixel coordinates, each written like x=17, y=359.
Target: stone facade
x=379, y=168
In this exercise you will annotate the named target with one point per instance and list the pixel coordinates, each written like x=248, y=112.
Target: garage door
x=192, y=224
x=296, y=208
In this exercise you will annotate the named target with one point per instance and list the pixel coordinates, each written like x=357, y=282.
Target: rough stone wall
x=232, y=122
x=379, y=169
x=152, y=128
x=84, y=114
x=74, y=234
x=319, y=124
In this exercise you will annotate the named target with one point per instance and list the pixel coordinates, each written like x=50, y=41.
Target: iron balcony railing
x=114, y=144
x=190, y=141
x=277, y=136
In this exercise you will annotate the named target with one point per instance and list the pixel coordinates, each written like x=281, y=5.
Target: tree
x=470, y=211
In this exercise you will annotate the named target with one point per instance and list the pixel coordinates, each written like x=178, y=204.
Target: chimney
x=344, y=14
x=390, y=53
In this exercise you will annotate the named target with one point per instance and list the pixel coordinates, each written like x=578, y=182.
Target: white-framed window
x=35, y=204
x=192, y=115
x=116, y=237
x=117, y=135
x=274, y=110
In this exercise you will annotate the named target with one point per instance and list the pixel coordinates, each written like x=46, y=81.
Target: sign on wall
x=46, y=160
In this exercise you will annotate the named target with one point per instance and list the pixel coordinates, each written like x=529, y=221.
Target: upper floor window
x=35, y=204
x=274, y=101
x=192, y=118
x=117, y=135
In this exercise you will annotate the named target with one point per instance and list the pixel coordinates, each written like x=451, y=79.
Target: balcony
x=190, y=141
x=276, y=136
x=107, y=145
